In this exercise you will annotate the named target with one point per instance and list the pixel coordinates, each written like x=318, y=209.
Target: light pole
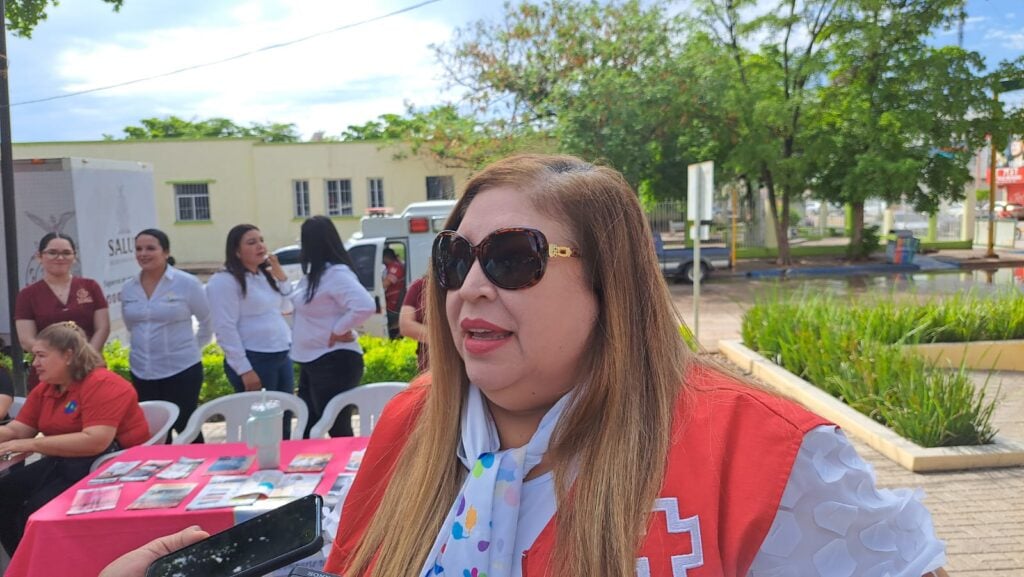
x=1004, y=86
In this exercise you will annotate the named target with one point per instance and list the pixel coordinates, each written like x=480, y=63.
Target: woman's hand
x=346, y=337
x=275, y=267
x=18, y=446
x=251, y=381
x=135, y=563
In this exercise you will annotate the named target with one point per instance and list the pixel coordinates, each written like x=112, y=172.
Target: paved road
x=980, y=514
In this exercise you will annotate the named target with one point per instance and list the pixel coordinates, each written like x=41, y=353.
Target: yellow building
x=205, y=187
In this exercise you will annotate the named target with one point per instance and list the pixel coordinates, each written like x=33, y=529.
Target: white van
x=410, y=234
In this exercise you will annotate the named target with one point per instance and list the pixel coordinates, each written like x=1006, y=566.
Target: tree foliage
x=24, y=15
x=842, y=99
x=175, y=127
x=452, y=138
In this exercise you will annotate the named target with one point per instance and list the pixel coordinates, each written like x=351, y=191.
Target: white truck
x=101, y=204
x=410, y=234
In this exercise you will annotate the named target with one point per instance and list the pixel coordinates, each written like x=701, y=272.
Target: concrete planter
x=1000, y=453
x=977, y=355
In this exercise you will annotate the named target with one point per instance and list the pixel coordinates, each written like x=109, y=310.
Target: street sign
x=700, y=184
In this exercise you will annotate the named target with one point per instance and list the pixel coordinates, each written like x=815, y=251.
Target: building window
x=192, y=201
x=301, y=197
x=440, y=187
x=376, y=192
x=339, y=197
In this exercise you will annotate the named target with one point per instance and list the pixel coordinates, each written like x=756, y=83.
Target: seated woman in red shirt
x=82, y=409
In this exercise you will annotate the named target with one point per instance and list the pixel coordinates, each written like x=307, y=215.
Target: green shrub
x=116, y=356
x=5, y=361
x=388, y=360
x=855, y=354
x=215, y=383
x=385, y=360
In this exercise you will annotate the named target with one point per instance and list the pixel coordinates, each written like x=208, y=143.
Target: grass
x=855, y=353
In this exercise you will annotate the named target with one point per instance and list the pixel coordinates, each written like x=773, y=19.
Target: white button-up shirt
x=163, y=342
x=339, y=305
x=251, y=323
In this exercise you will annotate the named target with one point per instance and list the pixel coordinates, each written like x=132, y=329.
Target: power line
x=229, y=58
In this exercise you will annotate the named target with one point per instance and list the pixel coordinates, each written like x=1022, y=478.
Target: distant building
x=205, y=187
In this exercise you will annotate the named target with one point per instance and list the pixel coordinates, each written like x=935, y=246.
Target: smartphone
x=256, y=547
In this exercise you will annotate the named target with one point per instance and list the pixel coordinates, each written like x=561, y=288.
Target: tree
x=454, y=139
x=601, y=80
x=900, y=120
x=24, y=15
x=175, y=127
x=771, y=90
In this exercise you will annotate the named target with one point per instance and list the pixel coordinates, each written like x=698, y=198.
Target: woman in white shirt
x=329, y=304
x=158, y=307
x=246, y=301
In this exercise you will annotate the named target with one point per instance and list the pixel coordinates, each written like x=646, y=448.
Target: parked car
x=678, y=263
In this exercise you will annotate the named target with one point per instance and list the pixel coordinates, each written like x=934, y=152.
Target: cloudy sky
x=326, y=83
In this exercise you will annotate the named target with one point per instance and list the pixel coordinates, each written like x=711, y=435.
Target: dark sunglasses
x=511, y=258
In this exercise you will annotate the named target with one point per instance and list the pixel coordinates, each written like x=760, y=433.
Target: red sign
x=1009, y=176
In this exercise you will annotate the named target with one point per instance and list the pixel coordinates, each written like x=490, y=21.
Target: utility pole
x=10, y=226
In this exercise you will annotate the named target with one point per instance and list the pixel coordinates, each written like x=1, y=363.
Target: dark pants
x=275, y=373
x=320, y=380
x=26, y=489
x=393, y=331
x=181, y=389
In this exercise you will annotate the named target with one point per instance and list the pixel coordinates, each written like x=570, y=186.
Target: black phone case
x=269, y=565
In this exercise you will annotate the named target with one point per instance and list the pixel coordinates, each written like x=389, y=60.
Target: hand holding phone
x=256, y=547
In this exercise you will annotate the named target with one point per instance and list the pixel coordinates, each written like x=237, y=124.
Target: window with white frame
x=192, y=201
x=376, y=186
x=440, y=187
x=301, y=198
x=339, y=197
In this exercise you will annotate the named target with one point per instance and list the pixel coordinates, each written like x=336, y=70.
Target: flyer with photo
x=163, y=496
x=145, y=471
x=181, y=469
x=92, y=500
x=339, y=489
x=309, y=463
x=236, y=465
x=114, y=472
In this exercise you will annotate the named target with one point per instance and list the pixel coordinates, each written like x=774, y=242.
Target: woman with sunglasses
x=58, y=297
x=566, y=429
x=329, y=304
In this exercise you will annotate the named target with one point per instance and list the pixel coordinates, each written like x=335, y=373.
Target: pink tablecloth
x=81, y=545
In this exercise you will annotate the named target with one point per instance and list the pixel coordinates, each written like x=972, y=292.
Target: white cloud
x=327, y=82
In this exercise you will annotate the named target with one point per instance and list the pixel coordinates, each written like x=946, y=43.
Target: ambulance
x=410, y=234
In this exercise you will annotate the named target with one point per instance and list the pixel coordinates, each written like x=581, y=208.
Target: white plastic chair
x=160, y=415
x=235, y=410
x=369, y=401
x=15, y=407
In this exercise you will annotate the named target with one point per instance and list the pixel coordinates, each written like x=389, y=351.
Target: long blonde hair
x=617, y=430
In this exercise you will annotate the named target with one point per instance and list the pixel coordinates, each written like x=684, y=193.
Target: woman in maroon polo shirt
x=83, y=411
x=60, y=297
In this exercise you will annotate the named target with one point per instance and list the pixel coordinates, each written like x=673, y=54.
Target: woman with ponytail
x=158, y=307
x=82, y=410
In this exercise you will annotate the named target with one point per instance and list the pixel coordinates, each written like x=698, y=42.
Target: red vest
x=732, y=450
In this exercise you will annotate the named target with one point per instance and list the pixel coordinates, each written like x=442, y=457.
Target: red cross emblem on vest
x=678, y=546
